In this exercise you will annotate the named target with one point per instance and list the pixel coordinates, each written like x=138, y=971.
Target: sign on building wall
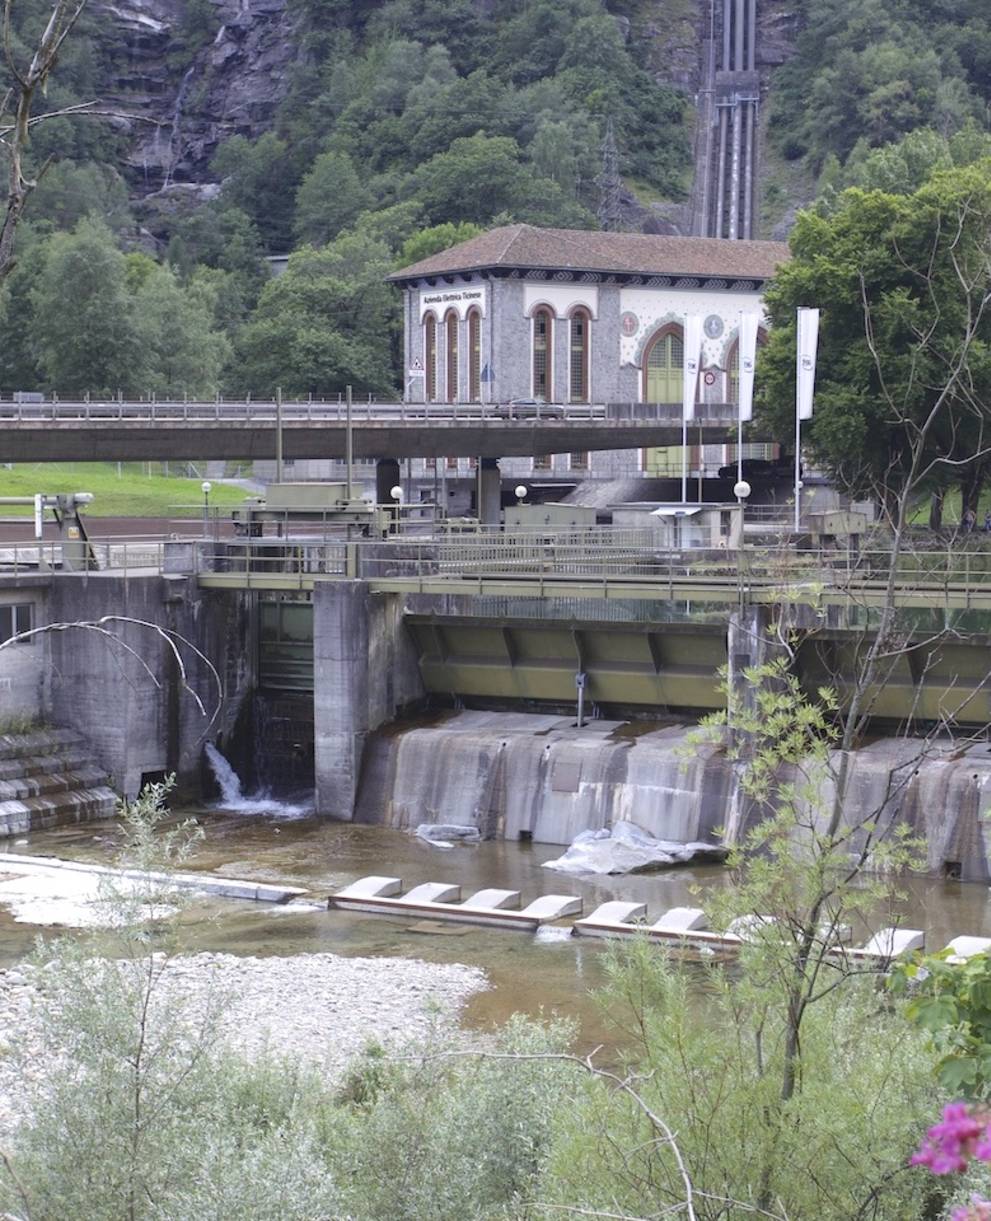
x=440, y=300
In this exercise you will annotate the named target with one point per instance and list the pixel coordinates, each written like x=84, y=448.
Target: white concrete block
x=893, y=943
x=371, y=887
x=552, y=907
x=493, y=898
x=962, y=948
x=432, y=892
x=681, y=919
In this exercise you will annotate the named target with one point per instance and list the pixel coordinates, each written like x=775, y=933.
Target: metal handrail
x=121, y=410
x=563, y=551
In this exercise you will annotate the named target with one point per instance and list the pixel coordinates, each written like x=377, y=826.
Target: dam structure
x=531, y=685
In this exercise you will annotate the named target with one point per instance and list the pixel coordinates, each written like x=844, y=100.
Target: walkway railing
x=527, y=560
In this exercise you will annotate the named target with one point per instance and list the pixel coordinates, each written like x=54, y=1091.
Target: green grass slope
x=132, y=493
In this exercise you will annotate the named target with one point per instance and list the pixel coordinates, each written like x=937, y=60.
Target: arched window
x=474, y=356
x=451, y=327
x=543, y=354
x=733, y=367
x=663, y=366
x=580, y=334
x=430, y=357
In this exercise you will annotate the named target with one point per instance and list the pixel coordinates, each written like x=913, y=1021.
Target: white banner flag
x=693, y=359
x=746, y=350
x=808, y=344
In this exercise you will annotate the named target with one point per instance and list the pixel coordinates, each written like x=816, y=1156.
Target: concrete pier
x=365, y=671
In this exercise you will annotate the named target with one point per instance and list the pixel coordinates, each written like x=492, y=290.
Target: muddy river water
x=549, y=972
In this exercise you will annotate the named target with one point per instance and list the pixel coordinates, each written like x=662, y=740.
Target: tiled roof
x=526, y=247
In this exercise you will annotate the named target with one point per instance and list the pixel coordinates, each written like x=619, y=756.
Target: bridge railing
x=105, y=410
x=608, y=553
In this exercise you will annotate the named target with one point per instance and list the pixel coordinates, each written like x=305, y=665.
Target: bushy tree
x=877, y=71
x=225, y=238
x=70, y=191
x=438, y=237
x=18, y=352
x=186, y=354
x=260, y=179
x=94, y=346
x=328, y=321
x=330, y=198
x=904, y=369
x=481, y=177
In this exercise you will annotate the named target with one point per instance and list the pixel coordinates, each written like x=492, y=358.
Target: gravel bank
x=318, y=1007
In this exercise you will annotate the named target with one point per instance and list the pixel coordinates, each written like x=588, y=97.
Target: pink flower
x=949, y=1145
x=976, y=1210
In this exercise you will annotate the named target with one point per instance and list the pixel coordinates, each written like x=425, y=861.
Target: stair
x=48, y=778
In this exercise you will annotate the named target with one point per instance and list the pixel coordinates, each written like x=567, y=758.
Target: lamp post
x=520, y=492
x=206, y=487
x=741, y=491
x=397, y=495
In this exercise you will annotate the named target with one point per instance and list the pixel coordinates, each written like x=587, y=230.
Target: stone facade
x=508, y=275
x=617, y=354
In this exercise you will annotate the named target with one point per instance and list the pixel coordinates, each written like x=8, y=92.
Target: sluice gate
x=634, y=667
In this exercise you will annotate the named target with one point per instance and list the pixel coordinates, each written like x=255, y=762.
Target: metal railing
x=570, y=552
x=334, y=411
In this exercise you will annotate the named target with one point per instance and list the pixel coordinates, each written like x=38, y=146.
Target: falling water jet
x=259, y=802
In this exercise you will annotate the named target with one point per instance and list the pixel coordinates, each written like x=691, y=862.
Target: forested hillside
x=860, y=78
x=364, y=134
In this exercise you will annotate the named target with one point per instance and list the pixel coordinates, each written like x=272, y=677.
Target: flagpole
x=798, y=422
x=739, y=403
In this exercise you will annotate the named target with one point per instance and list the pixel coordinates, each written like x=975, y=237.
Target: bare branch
x=171, y=639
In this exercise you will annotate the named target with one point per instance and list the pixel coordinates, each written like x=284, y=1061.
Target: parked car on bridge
x=529, y=409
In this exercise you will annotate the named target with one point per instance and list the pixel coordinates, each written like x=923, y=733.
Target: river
x=550, y=972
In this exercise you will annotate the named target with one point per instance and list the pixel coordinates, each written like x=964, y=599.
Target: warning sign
x=416, y=368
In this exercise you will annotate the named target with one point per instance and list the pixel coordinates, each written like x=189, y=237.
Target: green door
x=665, y=362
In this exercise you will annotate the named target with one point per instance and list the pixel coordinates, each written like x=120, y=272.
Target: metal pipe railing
x=579, y=551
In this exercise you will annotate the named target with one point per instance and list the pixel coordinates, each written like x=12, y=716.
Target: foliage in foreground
x=144, y=1115
x=710, y=1050
x=951, y=1002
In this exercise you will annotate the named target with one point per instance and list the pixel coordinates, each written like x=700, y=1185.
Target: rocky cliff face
x=229, y=85
x=202, y=74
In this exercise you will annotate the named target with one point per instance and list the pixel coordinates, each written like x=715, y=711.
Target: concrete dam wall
x=515, y=775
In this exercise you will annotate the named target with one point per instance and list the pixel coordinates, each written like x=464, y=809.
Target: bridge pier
x=489, y=492
x=387, y=477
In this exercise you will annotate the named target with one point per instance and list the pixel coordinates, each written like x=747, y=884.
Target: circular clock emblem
x=713, y=326
x=709, y=378
x=629, y=323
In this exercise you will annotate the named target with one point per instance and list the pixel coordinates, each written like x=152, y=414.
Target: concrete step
x=39, y=742
x=55, y=810
x=39, y=765
x=86, y=776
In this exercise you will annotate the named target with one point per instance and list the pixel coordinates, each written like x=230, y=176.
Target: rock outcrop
x=230, y=85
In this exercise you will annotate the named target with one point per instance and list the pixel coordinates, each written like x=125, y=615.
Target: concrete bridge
x=118, y=431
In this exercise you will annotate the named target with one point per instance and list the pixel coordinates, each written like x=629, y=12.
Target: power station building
x=568, y=316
